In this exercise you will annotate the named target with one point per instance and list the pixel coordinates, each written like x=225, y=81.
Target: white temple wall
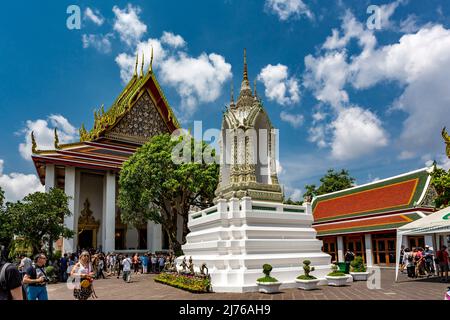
x=91, y=187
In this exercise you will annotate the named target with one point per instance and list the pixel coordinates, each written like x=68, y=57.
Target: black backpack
x=3, y=284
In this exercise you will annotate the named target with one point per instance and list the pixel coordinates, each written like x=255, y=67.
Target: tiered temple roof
x=381, y=205
x=140, y=111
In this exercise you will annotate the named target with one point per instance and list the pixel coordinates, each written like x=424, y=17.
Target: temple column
x=340, y=248
x=368, y=246
x=109, y=212
x=149, y=235
x=69, y=222
x=157, y=240
x=49, y=177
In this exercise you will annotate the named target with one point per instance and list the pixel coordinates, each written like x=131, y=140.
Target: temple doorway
x=85, y=239
x=87, y=228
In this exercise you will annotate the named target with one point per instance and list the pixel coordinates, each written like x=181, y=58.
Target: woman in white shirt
x=83, y=274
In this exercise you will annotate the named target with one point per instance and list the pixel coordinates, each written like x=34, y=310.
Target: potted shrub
x=267, y=284
x=336, y=278
x=307, y=281
x=359, y=271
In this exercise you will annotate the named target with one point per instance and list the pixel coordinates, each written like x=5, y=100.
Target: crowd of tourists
x=27, y=279
x=420, y=262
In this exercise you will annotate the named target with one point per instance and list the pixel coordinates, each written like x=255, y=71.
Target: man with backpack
x=10, y=281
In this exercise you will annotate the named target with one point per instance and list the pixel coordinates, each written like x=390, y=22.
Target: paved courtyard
x=143, y=287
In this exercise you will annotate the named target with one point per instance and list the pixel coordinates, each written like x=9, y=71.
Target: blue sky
x=372, y=101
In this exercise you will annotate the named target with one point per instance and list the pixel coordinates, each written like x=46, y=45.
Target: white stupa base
x=235, y=238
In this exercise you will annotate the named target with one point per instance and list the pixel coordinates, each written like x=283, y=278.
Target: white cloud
x=94, y=16
x=278, y=86
x=357, y=132
x=410, y=24
x=317, y=135
x=406, y=155
x=387, y=10
x=127, y=62
x=44, y=134
x=442, y=161
x=326, y=76
x=351, y=29
x=18, y=185
x=285, y=9
x=175, y=41
x=294, y=194
x=419, y=62
x=295, y=120
x=101, y=43
x=318, y=116
x=196, y=80
x=128, y=25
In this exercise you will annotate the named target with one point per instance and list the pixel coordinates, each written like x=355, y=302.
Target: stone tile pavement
x=142, y=287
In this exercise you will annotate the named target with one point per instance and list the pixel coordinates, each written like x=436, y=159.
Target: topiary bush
x=307, y=269
x=358, y=265
x=334, y=271
x=267, y=268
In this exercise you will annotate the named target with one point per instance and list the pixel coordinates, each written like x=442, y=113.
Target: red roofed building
x=88, y=170
x=365, y=218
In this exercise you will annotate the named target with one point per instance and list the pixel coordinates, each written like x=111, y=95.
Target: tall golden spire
x=254, y=89
x=136, y=65
x=232, y=105
x=245, y=65
x=142, y=65
x=246, y=91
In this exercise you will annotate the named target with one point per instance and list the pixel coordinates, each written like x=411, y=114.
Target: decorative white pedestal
x=235, y=238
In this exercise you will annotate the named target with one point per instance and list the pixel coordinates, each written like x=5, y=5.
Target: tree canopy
x=154, y=187
x=39, y=218
x=440, y=180
x=332, y=181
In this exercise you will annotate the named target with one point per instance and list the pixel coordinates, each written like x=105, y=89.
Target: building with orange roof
x=365, y=218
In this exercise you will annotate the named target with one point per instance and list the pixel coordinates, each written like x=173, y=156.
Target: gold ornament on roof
x=447, y=141
x=33, y=143
x=56, y=141
x=150, y=67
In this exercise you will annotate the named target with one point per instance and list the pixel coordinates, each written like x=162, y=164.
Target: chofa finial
x=136, y=65
x=56, y=141
x=150, y=66
x=142, y=65
x=33, y=143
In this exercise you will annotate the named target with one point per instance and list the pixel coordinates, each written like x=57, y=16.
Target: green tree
x=440, y=180
x=154, y=187
x=39, y=218
x=5, y=226
x=331, y=182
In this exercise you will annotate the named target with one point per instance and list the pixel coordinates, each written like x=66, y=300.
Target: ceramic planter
x=360, y=276
x=307, y=284
x=338, y=281
x=268, y=287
